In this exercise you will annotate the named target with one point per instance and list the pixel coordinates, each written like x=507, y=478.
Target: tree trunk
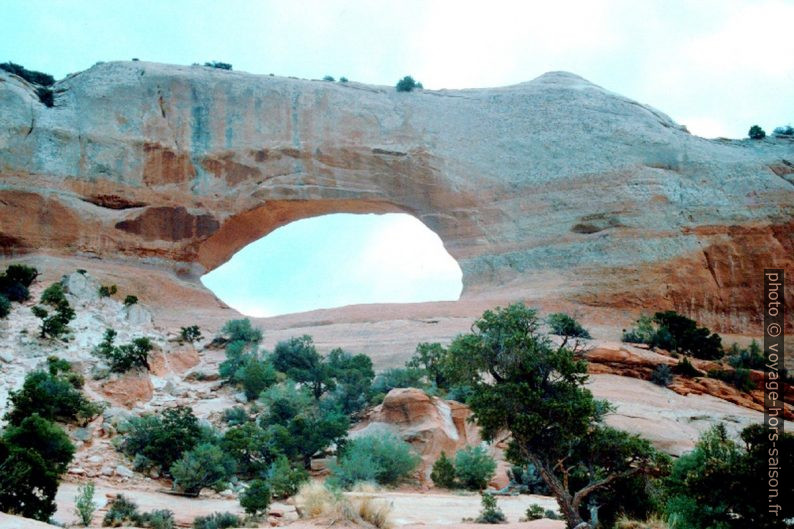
x=563, y=497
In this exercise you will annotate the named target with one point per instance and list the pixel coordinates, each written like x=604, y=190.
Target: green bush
x=535, y=512
x=443, y=473
x=564, y=325
x=22, y=274
x=252, y=448
x=235, y=416
x=528, y=480
x=398, y=377
x=121, y=510
x=5, y=306
x=738, y=378
x=343, y=79
x=84, y=505
x=750, y=358
x=491, y=513
x=13, y=290
x=787, y=130
x=407, y=84
x=298, y=358
x=384, y=459
x=429, y=358
x=105, y=291
x=218, y=520
x=51, y=396
x=474, y=467
x=122, y=358
x=160, y=519
x=681, y=334
x=190, y=334
x=328, y=78
x=256, y=498
x=163, y=438
x=33, y=456
x=219, y=65
x=756, y=133
x=353, y=375
x=255, y=376
x=130, y=300
x=30, y=76
x=241, y=330
x=284, y=479
x=56, y=324
x=662, y=375
x=685, y=368
x=204, y=466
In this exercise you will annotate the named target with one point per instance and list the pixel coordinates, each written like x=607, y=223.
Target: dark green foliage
x=45, y=95
x=241, y=330
x=528, y=480
x=22, y=274
x=399, y=378
x=256, y=498
x=525, y=384
x=738, y=378
x=685, y=368
x=722, y=485
x=428, y=357
x=474, y=467
x=491, y=513
x=756, y=133
x=407, y=84
x=235, y=416
x=52, y=396
x=353, y=376
x=662, y=375
x=204, y=466
x=328, y=78
x=534, y=512
x=122, y=358
x=564, y=325
x=343, y=79
x=219, y=65
x=56, y=324
x=53, y=295
x=106, y=291
x=160, y=519
x=30, y=76
x=252, y=448
x=285, y=479
x=218, y=520
x=13, y=290
x=5, y=306
x=163, y=438
x=750, y=358
x=681, y=334
x=190, y=334
x=84, y=504
x=120, y=510
x=298, y=358
x=130, y=300
x=443, y=473
x=255, y=376
x=33, y=456
x=788, y=130
x=384, y=459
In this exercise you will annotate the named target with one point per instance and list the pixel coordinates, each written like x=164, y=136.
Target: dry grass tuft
x=651, y=523
x=315, y=501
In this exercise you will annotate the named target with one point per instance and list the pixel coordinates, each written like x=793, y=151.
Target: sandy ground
x=410, y=509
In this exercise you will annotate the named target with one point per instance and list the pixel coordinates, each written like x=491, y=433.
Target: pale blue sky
x=716, y=66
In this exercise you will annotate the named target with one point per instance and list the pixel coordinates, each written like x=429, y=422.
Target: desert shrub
x=204, y=466
x=255, y=376
x=284, y=479
x=219, y=65
x=328, y=78
x=217, y=520
x=534, y=512
x=474, y=467
x=343, y=79
x=163, y=438
x=315, y=501
x=352, y=375
x=491, y=513
x=750, y=358
x=429, y=357
x=443, y=473
x=299, y=359
x=528, y=480
x=407, y=84
x=680, y=334
x=685, y=368
x=105, y=291
x=662, y=375
x=130, y=300
x=256, y=498
x=121, y=510
x=564, y=325
x=122, y=358
x=642, y=332
x=787, y=130
x=84, y=505
x=53, y=295
x=30, y=76
x=5, y=306
x=738, y=378
x=56, y=324
x=398, y=377
x=235, y=416
x=384, y=459
x=13, y=290
x=159, y=519
x=33, y=456
x=45, y=95
x=190, y=334
x=51, y=396
x=252, y=448
x=22, y=274
x=756, y=133
x=241, y=330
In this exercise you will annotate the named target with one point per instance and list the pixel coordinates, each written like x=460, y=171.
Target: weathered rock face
x=551, y=189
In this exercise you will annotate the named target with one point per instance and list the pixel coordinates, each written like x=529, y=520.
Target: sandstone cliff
x=555, y=190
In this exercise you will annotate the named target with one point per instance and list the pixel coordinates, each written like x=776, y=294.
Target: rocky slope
x=555, y=191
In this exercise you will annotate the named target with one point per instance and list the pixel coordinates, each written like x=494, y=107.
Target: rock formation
x=555, y=190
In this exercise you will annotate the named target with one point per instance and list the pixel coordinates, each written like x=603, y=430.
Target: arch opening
x=336, y=260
